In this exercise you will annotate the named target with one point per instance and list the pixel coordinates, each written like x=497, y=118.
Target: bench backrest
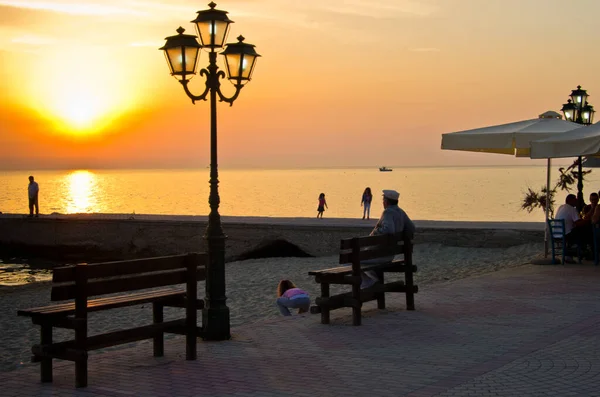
x=84, y=280
x=358, y=249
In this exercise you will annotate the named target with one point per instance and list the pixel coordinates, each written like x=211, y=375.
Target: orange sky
x=356, y=83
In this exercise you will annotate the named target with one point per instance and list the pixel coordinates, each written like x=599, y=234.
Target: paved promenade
x=530, y=331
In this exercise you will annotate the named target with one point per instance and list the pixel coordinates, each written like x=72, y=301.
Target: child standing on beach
x=322, y=205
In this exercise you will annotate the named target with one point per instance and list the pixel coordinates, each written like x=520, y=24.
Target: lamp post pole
x=578, y=110
x=182, y=53
x=215, y=316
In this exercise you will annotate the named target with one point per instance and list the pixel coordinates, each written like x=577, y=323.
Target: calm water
x=23, y=271
x=452, y=193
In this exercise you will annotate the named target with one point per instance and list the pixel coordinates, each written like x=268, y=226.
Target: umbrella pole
x=546, y=231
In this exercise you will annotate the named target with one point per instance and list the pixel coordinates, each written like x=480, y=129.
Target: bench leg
x=356, y=315
x=410, y=296
x=46, y=362
x=81, y=363
x=81, y=372
x=158, y=340
x=190, y=333
x=381, y=295
x=324, y=310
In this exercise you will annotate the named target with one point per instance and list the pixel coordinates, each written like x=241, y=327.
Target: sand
x=251, y=288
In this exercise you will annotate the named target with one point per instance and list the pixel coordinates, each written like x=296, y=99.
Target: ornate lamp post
x=182, y=53
x=579, y=111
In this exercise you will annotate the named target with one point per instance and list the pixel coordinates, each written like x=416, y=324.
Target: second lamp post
x=182, y=53
x=578, y=110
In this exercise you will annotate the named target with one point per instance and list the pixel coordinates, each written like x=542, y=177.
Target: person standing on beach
x=322, y=205
x=367, y=197
x=33, y=191
x=393, y=220
x=291, y=297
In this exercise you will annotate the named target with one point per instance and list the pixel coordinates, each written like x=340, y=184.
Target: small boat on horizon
x=385, y=169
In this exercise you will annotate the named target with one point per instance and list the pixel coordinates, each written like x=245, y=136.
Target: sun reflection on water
x=81, y=186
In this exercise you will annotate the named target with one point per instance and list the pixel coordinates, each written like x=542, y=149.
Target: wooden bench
x=357, y=250
x=79, y=282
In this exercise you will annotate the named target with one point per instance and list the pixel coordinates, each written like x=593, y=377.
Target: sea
x=492, y=193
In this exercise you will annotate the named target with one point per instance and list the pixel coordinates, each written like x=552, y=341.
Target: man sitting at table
x=590, y=209
x=576, y=231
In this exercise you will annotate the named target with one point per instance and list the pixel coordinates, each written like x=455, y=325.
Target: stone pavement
x=529, y=331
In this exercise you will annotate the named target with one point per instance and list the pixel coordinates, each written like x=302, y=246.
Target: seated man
x=596, y=214
x=393, y=220
x=575, y=228
x=589, y=210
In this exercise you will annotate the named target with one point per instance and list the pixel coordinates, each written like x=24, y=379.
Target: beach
x=251, y=288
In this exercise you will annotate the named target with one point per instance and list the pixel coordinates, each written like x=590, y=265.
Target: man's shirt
x=394, y=220
x=569, y=214
x=33, y=188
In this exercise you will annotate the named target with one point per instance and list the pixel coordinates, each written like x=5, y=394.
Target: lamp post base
x=215, y=324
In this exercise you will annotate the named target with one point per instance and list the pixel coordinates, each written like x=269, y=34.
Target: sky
x=339, y=83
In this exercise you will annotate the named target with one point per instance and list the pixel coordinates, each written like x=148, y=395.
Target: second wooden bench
x=359, y=249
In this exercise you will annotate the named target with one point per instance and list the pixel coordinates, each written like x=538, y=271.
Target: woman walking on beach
x=322, y=205
x=367, y=197
x=291, y=297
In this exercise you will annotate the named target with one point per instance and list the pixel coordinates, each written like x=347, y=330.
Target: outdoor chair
x=556, y=227
x=596, y=229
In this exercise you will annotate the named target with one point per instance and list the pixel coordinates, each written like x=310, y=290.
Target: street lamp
x=182, y=52
x=578, y=110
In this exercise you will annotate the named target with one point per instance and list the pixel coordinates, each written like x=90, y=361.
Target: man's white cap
x=391, y=194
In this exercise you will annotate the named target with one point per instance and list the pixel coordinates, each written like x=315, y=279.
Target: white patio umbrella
x=583, y=141
x=512, y=138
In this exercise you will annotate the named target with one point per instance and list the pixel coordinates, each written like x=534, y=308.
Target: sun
x=83, y=92
x=79, y=109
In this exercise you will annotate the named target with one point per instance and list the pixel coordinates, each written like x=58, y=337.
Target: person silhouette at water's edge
x=33, y=192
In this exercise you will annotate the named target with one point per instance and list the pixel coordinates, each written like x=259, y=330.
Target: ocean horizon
x=460, y=193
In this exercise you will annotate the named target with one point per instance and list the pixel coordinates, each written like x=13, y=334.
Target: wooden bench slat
x=366, y=295
x=378, y=252
x=133, y=266
x=111, y=286
x=58, y=308
x=366, y=241
x=348, y=269
x=168, y=296
x=111, y=338
x=337, y=279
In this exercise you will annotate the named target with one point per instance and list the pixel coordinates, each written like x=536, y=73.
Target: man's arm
x=577, y=221
x=385, y=224
x=409, y=227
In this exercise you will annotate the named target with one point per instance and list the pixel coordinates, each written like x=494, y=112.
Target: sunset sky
x=339, y=83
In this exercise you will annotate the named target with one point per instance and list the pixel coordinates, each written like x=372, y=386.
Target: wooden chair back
x=556, y=227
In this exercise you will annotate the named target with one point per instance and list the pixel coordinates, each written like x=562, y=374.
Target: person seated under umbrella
x=577, y=230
